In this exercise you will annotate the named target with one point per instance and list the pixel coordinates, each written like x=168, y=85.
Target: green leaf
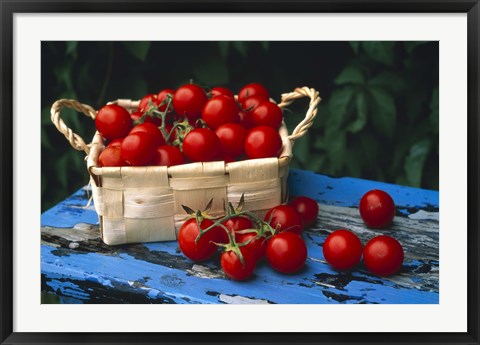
x=265, y=45
x=383, y=112
x=241, y=47
x=350, y=75
x=301, y=149
x=138, y=49
x=355, y=46
x=72, y=48
x=381, y=51
x=388, y=80
x=45, y=140
x=415, y=162
x=362, y=108
x=434, y=110
x=211, y=72
x=339, y=106
x=223, y=46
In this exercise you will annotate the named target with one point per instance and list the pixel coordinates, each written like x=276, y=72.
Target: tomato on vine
x=232, y=136
x=267, y=114
x=138, y=149
x=111, y=157
x=307, y=208
x=233, y=266
x=151, y=130
x=167, y=155
x=284, y=218
x=253, y=89
x=205, y=247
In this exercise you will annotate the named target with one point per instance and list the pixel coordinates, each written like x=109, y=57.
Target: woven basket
x=144, y=204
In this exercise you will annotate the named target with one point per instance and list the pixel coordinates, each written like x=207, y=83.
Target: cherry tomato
x=377, y=209
x=138, y=148
x=253, y=89
x=232, y=136
x=189, y=100
x=204, y=248
x=235, y=224
x=116, y=143
x=251, y=103
x=233, y=267
x=145, y=102
x=383, y=255
x=284, y=218
x=113, y=121
x=220, y=110
x=267, y=114
x=263, y=142
x=342, y=249
x=307, y=208
x=201, y=145
x=257, y=245
x=286, y=252
x=246, y=119
x=167, y=155
x=217, y=91
x=151, y=130
x=111, y=157
x=162, y=96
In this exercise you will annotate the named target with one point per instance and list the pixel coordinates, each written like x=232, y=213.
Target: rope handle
x=79, y=144
x=307, y=122
x=74, y=139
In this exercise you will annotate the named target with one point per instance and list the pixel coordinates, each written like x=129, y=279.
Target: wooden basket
x=144, y=204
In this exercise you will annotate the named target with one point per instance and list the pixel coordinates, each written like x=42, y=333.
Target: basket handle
x=74, y=139
x=307, y=122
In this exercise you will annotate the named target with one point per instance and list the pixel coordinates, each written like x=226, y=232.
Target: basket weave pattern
x=144, y=204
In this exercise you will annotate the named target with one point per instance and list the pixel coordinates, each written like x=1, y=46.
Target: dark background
x=378, y=118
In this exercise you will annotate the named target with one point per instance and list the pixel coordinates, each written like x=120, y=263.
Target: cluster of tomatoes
x=383, y=255
x=191, y=125
x=246, y=239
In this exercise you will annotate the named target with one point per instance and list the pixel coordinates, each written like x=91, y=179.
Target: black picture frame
x=10, y=7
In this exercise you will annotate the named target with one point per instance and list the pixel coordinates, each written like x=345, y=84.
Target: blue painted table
x=79, y=268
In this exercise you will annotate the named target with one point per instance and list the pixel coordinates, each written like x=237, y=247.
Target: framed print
x=302, y=172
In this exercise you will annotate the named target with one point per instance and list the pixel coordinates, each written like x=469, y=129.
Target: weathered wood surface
x=79, y=268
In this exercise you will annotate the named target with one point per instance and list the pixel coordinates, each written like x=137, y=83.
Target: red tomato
x=286, y=252
x=113, y=121
x=284, y=218
x=235, y=224
x=253, y=89
x=251, y=103
x=151, y=130
x=267, y=114
x=257, y=245
x=233, y=267
x=307, y=208
x=263, y=142
x=162, y=96
x=383, y=255
x=201, y=145
x=138, y=148
x=145, y=102
x=217, y=91
x=232, y=136
x=246, y=119
x=377, y=209
x=111, y=157
x=220, y=110
x=204, y=248
x=189, y=100
x=342, y=249
x=116, y=143
x=167, y=155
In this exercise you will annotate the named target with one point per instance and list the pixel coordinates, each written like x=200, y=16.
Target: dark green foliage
x=378, y=118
